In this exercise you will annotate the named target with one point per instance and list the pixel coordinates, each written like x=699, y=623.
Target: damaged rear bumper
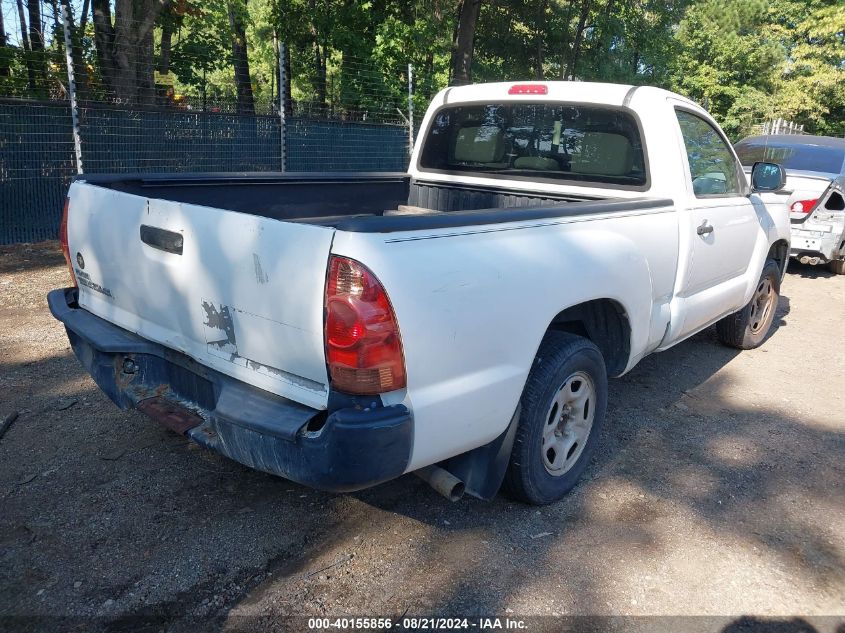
x=345, y=449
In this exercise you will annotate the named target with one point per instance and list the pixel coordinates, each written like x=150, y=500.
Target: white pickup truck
x=459, y=320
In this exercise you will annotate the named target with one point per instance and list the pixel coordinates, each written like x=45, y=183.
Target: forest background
x=747, y=61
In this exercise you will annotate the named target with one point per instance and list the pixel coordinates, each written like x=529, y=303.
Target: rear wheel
x=562, y=411
x=837, y=266
x=748, y=328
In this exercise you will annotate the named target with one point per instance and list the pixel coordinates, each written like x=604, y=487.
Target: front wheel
x=748, y=328
x=562, y=411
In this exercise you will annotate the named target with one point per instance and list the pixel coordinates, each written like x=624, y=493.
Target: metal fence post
x=410, y=108
x=283, y=90
x=71, y=89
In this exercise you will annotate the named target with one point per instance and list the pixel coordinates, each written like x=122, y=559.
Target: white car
x=459, y=320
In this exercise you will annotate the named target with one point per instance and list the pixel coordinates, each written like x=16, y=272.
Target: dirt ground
x=717, y=491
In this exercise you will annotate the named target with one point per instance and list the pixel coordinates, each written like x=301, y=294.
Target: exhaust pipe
x=804, y=259
x=442, y=481
x=814, y=261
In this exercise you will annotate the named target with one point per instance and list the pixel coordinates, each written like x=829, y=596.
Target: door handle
x=704, y=229
x=163, y=240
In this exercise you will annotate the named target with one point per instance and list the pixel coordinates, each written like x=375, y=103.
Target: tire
x=562, y=411
x=748, y=328
x=837, y=266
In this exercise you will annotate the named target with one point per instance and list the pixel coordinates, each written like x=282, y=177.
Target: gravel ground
x=717, y=491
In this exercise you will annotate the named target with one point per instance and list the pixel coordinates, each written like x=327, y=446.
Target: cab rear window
x=538, y=141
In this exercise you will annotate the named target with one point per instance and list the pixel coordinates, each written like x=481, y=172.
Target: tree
x=462, y=51
x=36, y=47
x=125, y=47
x=811, y=86
x=4, y=52
x=240, y=58
x=728, y=60
x=202, y=51
x=568, y=71
x=30, y=69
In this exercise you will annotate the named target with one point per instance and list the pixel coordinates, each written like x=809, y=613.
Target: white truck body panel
x=466, y=368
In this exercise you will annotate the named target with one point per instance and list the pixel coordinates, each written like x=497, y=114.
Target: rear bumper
x=817, y=243
x=345, y=449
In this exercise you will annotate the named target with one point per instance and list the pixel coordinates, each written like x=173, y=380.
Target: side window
x=712, y=165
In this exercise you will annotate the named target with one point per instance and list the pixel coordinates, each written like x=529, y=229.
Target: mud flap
x=483, y=469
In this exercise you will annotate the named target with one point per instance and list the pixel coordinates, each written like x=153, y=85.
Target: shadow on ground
x=106, y=514
x=30, y=257
x=807, y=271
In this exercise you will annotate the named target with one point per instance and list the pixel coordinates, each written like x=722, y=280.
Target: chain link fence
x=66, y=109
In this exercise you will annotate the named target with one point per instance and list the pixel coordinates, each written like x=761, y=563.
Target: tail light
x=63, y=241
x=363, y=348
x=803, y=206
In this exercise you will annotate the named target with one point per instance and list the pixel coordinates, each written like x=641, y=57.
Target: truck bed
x=360, y=201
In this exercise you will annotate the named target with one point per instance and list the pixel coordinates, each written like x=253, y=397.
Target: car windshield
x=805, y=157
x=537, y=141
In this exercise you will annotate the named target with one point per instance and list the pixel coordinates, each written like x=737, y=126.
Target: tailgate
x=239, y=293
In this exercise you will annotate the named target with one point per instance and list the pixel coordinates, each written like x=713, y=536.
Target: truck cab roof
x=559, y=91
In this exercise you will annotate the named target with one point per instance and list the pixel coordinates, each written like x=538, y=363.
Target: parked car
x=820, y=236
x=459, y=320
x=811, y=163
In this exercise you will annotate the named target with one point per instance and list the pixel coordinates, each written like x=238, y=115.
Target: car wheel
x=837, y=266
x=562, y=411
x=748, y=328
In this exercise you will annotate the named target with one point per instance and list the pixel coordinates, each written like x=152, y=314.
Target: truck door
x=720, y=223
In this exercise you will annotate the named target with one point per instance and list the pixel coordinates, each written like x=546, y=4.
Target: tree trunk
x=22, y=19
x=165, y=47
x=240, y=61
x=605, y=35
x=125, y=48
x=4, y=60
x=540, y=35
x=320, y=81
x=349, y=99
x=462, y=49
x=30, y=70
x=564, y=45
x=36, y=45
x=579, y=37
x=319, y=62
x=124, y=53
x=104, y=41
x=145, y=69
x=36, y=37
x=58, y=32
x=83, y=15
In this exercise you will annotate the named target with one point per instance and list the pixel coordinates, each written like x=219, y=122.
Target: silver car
x=815, y=177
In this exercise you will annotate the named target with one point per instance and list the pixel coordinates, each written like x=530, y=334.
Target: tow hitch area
x=173, y=416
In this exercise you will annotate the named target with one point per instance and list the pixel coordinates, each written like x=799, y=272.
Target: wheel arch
x=605, y=323
x=779, y=251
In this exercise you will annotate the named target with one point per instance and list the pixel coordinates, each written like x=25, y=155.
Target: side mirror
x=767, y=177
